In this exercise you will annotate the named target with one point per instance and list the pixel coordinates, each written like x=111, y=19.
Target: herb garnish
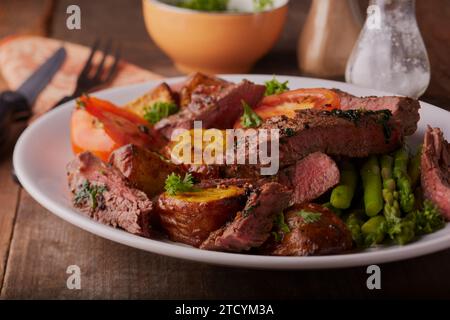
x=281, y=227
x=89, y=192
x=159, y=110
x=275, y=87
x=260, y=5
x=308, y=216
x=204, y=5
x=250, y=118
x=174, y=184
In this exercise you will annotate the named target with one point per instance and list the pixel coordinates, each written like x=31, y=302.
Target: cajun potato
x=146, y=170
x=191, y=216
x=193, y=82
x=161, y=93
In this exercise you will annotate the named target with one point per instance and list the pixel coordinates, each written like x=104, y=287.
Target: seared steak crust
x=404, y=110
x=435, y=176
x=327, y=235
x=216, y=107
x=101, y=192
x=251, y=227
x=331, y=133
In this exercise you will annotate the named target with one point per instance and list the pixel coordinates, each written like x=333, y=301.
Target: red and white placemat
x=21, y=55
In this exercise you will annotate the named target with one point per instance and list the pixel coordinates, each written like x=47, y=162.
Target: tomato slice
x=100, y=127
x=88, y=134
x=288, y=102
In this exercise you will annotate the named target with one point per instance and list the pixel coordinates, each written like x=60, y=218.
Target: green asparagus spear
x=404, y=188
x=373, y=198
x=342, y=195
x=391, y=206
x=414, y=168
x=374, y=230
x=354, y=223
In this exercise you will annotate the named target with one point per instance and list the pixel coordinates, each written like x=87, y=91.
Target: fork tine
x=100, y=67
x=88, y=64
x=113, y=68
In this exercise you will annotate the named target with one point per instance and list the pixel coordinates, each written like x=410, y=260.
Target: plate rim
x=175, y=250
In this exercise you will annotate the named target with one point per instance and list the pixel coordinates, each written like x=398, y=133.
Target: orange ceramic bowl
x=229, y=42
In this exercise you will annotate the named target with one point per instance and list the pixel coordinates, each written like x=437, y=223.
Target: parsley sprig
x=261, y=5
x=89, y=192
x=275, y=87
x=281, y=226
x=308, y=216
x=175, y=184
x=159, y=110
x=250, y=118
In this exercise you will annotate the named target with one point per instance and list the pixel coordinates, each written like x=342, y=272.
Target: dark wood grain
x=43, y=246
x=14, y=20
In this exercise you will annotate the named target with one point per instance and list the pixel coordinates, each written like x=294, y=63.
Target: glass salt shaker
x=390, y=54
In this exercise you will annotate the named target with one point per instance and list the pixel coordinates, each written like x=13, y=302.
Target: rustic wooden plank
x=9, y=194
x=25, y=17
x=121, y=21
x=15, y=20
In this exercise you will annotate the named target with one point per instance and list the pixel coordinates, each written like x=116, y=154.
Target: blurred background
x=123, y=21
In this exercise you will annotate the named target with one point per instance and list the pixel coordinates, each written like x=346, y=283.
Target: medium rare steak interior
x=103, y=193
x=436, y=170
x=251, y=226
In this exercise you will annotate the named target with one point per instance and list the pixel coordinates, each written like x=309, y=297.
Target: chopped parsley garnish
x=89, y=192
x=308, y=216
x=204, y=5
x=260, y=5
x=275, y=87
x=174, y=184
x=250, y=119
x=281, y=224
x=428, y=219
x=159, y=110
x=281, y=227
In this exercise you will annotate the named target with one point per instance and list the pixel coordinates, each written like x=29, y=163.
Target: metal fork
x=101, y=76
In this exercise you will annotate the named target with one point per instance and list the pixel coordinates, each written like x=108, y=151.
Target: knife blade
x=16, y=105
x=31, y=88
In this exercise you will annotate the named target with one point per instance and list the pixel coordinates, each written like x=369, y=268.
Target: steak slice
x=251, y=227
x=404, y=110
x=214, y=106
x=310, y=177
x=326, y=234
x=435, y=176
x=101, y=192
x=351, y=133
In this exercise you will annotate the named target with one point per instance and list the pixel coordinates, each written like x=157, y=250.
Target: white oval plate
x=43, y=151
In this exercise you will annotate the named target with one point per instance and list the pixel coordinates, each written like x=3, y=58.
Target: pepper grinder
x=390, y=54
x=328, y=36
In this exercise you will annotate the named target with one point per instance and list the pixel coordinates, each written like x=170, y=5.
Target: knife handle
x=15, y=104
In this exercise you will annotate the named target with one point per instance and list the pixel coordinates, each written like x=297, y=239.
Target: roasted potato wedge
x=193, y=82
x=161, y=93
x=146, y=170
x=190, y=217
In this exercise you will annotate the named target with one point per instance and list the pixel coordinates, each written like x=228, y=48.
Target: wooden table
x=36, y=247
